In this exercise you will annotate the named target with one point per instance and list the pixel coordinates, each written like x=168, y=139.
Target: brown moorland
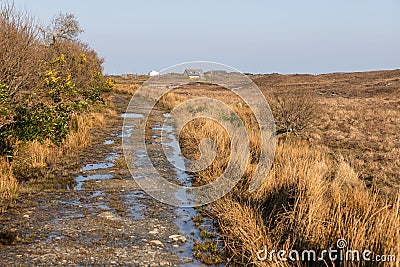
x=335, y=173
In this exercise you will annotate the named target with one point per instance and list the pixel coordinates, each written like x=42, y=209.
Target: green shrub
x=4, y=101
x=42, y=123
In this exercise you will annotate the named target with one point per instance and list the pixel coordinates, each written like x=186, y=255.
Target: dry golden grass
x=358, y=116
x=80, y=136
x=366, y=131
x=34, y=154
x=129, y=89
x=312, y=196
x=8, y=184
x=309, y=201
x=112, y=112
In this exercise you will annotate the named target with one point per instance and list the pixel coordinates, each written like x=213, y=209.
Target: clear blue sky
x=289, y=36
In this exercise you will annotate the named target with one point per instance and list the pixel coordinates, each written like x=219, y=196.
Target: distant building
x=216, y=72
x=128, y=76
x=193, y=73
x=153, y=73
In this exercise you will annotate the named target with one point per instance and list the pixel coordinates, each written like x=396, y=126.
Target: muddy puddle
x=135, y=200
x=185, y=215
x=109, y=142
x=82, y=179
x=132, y=116
x=136, y=209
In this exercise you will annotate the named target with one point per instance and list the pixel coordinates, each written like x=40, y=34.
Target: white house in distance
x=193, y=73
x=153, y=73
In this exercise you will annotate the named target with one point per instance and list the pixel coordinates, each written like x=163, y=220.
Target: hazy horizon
x=256, y=37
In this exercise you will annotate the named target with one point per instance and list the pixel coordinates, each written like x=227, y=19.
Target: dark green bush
x=4, y=102
x=42, y=123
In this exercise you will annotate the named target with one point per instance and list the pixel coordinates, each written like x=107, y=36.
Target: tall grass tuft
x=8, y=185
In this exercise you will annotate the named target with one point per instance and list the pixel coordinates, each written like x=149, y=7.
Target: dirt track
x=105, y=220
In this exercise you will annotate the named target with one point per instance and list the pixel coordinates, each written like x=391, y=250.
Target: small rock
x=157, y=242
x=110, y=216
x=26, y=216
x=176, y=238
x=154, y=232
x=175, y=246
